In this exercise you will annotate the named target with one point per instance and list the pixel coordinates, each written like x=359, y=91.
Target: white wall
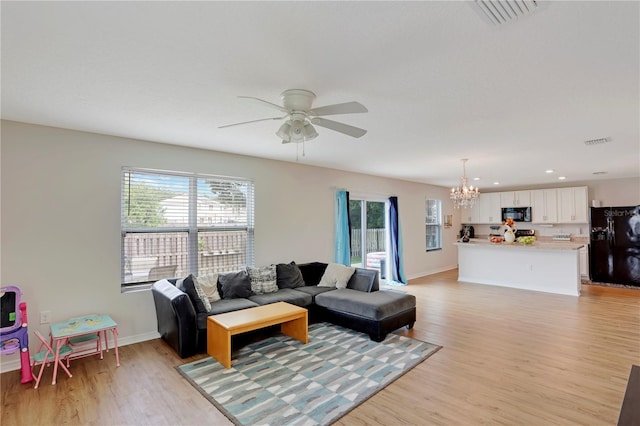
x=615, y=192
x=60, y=218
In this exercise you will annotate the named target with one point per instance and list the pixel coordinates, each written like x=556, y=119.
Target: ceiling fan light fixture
x=296, y=132
x=309, y=132
x=298, y=128
x=284, y=132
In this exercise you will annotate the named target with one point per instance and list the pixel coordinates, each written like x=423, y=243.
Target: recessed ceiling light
x=476, y=178
x=496, y=183
x=549, y=171
x=562, y=177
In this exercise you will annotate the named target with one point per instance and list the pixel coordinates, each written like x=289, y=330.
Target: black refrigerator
x=614, y=255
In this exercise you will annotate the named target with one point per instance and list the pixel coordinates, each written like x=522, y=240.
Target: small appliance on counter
x=561, y=237
x=467, y=231
x=525, y=233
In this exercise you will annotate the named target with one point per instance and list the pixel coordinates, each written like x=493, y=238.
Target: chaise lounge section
x=376, y=313
x=361, y=306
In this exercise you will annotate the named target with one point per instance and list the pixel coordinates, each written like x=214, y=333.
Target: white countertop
x=539, y=245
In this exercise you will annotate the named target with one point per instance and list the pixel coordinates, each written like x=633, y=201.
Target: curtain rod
x=362, y=192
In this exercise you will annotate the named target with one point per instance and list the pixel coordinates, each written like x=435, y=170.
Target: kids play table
x=90, y=324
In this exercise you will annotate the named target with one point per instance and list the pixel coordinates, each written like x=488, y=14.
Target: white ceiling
x=441, y=83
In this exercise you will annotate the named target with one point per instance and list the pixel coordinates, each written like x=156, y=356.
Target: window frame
x=193, y=228
x=433, y=225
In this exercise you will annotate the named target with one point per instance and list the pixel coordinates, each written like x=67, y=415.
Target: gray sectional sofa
x=182, y=320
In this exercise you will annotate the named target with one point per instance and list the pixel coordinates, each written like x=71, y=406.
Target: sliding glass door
x=368, y=235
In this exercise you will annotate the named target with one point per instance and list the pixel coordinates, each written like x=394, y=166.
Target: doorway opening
x=369, y=235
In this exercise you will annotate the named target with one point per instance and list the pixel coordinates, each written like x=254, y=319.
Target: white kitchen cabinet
x=584, y=262
x=554, y=205
x=471, y=215
x=515, y=199
x=573, y=205
x=490, y=211
x=544, y=206
x=485, y=210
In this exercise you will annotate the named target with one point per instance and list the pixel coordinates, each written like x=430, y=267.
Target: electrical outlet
x=45, y=317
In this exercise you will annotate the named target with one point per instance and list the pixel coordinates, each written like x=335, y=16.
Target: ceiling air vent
x=599, y=141
x=503, y=11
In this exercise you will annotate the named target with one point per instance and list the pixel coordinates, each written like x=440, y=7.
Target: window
x=175, y=224
x=434, y=224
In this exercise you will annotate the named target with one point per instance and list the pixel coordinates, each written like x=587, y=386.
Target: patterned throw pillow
x=263, y=280
x=209, y=284
x=336, y=275
x=201, y=294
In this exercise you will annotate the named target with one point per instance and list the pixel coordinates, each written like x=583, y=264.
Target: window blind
x=174, y=224
x=433, y=225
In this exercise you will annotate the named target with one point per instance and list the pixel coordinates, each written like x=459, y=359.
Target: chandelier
x=464, y=196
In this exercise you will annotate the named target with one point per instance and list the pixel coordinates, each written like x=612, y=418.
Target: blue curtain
x=343, y=229
x=395, y=251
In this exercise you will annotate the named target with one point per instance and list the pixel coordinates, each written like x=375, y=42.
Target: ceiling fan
x=296, y=104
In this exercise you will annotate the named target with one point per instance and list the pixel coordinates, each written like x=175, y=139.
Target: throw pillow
x=235, y=285
x=289, y=276
x=209, y=284
x=312, y=272
x=336, y=275
x=263, y=280
x=201, y=294
x=197, y=297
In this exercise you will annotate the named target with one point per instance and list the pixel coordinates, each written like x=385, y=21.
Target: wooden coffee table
x=220, y=328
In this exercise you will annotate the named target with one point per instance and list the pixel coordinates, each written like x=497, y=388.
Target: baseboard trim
x=14, y=364
x=471, y=280
x=431, y=272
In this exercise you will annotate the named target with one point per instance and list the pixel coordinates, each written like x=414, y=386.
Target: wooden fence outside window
x=222, y=251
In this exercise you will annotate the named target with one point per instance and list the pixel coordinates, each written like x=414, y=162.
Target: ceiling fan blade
x=345, y=108
x=252, y=121
x=339, y=127
x=276, y=106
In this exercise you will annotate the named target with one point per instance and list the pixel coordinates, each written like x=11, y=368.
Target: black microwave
x=518, y=214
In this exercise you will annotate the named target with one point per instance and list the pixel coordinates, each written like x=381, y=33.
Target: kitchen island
x=552, y=267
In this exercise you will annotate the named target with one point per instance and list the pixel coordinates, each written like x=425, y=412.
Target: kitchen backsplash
x=576, y=231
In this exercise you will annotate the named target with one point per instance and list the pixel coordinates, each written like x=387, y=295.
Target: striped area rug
x=280, y=381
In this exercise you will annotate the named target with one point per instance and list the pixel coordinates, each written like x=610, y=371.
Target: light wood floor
x=509, y=357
